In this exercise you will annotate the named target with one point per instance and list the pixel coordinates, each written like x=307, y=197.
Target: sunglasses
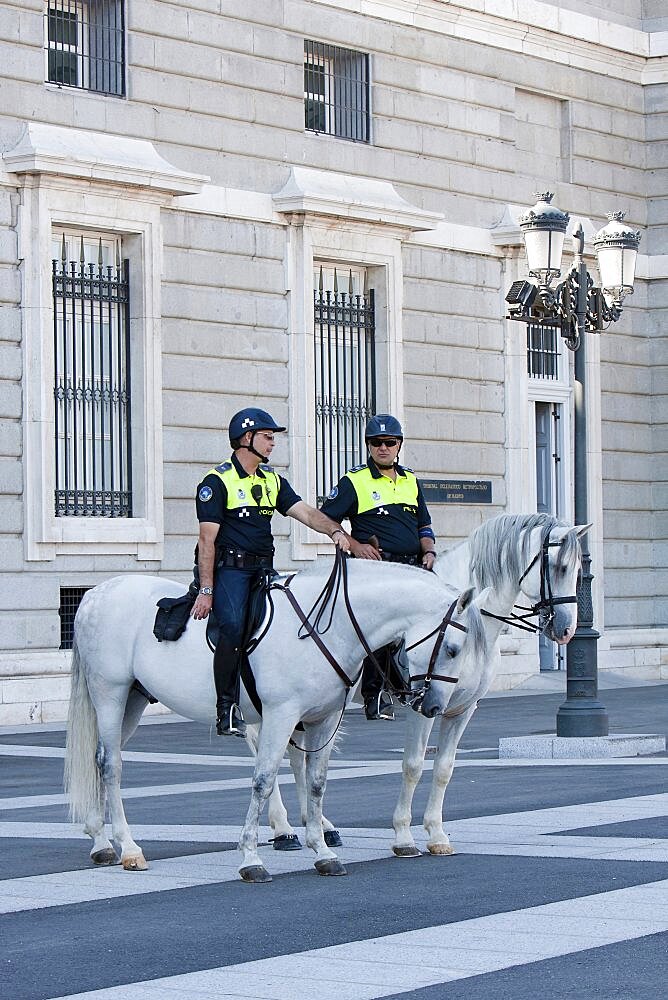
x=378, y=442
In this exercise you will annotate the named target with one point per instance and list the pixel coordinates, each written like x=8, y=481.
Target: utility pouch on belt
x=173, y=614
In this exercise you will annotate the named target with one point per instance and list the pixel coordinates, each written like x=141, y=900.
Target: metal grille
x=336, y=91
x=542, y=351
x=92, y=387
x=70, y=599
x=85, y=44
x=345, y=379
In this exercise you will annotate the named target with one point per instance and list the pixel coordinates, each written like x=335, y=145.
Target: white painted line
x=399, y=963
x=522, y=834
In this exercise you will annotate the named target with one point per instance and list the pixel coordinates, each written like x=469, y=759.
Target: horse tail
x=82, y=777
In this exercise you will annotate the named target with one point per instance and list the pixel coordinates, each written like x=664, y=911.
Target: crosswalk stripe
x=523, y=834
x=399, y=963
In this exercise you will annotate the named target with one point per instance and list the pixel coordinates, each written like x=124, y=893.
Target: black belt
x=237, y=559
x=396, y=557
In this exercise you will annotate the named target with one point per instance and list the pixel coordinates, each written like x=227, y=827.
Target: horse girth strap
x=313, y=634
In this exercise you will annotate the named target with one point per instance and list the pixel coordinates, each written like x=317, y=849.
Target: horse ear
x=482, y=597
x=582, y=529
x=465, y=599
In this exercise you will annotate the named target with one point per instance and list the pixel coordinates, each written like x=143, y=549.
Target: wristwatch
x=206, y=591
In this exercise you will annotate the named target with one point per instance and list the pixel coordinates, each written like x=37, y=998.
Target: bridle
x=545, y=607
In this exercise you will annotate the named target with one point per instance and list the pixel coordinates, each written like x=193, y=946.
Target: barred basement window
x=70, y=599
x=542, y=351
x=336, y=91
x=85, y=44
x=345, y=373
x=91, y=333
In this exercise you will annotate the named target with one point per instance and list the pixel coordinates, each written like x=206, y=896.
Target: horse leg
x=418, y=729
x=298, y=765
x=110, y=717
x=273, y=740
x=285, y=838
x=102, y=852
x=451, y=732
x=326, y=862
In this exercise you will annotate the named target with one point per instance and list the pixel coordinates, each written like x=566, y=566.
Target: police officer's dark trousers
x=230, y=604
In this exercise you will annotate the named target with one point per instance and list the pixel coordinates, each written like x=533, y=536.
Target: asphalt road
x=559, y=887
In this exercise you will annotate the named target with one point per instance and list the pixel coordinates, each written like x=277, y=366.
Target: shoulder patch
x=407, y=469
x=205, y=493
x=358, y=468
x=267, y=468
x=223, y=467
x=333, y=494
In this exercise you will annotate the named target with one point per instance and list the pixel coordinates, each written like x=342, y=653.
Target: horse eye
x=451, y=651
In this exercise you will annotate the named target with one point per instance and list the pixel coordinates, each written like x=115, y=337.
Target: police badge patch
x=205, y=493
x=333, y=494
x=241, y=494
x=375, y=496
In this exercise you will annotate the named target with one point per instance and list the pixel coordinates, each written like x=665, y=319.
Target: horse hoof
x=255, y=873
x=333, y=838
x=332, y=866
x=287, y=842
x=137, y=863
x=440, y=849
x=107, y=856
x=406, y=852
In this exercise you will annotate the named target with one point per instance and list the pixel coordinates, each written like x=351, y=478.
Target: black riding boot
x=226, y=667
x=377, y=703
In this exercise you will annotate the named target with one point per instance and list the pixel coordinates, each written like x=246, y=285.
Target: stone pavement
x=559, y=887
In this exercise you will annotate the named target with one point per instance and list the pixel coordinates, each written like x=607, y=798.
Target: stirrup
x=230, y=721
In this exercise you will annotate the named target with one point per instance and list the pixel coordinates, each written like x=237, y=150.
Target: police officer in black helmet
x=389, y=520
x=235, y=504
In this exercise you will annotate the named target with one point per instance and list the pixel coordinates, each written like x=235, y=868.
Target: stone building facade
x=242, y=158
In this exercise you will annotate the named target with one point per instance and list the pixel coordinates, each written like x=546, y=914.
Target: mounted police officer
x=235, y=504
x=389, y=520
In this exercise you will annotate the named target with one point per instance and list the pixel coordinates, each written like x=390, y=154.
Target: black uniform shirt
x=224, y=497
x=396, y=513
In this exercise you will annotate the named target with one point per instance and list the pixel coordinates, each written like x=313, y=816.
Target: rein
x=329, y=594
x=547, y=600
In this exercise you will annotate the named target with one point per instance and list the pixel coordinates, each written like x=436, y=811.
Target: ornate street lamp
x=576, y=307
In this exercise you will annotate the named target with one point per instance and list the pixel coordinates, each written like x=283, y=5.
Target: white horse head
x=455, y=647
x=535, y=555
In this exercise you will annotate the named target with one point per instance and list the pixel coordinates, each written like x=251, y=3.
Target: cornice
x=531, y=28
x=95, y=156
x=327, y=194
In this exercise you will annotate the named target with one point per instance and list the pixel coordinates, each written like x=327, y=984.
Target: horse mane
x=499, y=548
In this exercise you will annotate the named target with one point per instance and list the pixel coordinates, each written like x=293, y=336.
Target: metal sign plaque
x=457, y=490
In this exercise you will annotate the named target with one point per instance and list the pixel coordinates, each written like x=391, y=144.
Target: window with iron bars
x=91, y=339
x=345, y=371
x=84, y=43
x=336, y=91
x=542, y=351
x=70, y=599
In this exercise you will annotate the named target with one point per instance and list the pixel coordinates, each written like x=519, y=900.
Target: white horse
x=114, y=646
x=534, y=555
x=510, y=554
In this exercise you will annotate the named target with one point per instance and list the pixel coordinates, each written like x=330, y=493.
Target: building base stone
x=580, y=747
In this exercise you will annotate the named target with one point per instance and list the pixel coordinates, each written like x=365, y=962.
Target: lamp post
x=576, y=307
